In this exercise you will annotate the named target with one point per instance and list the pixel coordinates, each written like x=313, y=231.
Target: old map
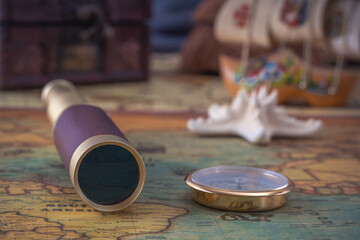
x=38, y=202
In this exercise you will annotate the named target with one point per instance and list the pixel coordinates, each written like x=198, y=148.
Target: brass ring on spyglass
x=236, y=188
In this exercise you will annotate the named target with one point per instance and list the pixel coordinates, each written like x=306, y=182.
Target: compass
x=238, y=188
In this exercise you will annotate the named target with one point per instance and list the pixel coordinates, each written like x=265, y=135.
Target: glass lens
x=108, y=174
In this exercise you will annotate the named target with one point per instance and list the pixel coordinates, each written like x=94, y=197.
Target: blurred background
x=113, y=41
x=171, y=22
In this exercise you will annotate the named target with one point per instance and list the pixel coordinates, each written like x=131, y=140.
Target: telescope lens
x=108, y=174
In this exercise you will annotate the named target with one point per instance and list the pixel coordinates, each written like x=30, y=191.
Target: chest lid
x=69, y=11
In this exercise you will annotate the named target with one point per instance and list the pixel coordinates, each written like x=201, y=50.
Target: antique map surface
x=37, y=200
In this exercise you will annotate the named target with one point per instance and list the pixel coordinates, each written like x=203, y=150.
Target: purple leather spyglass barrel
x=78, y=123
x=107, y=173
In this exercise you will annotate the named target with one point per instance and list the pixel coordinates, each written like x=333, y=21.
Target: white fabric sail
x=298, y=20
x=353, y=34
x=244, y=22
x=339, y=26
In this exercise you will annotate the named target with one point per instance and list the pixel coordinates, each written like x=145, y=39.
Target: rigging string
x=340, y=58
x=307, y=47
x=245, y=49
x=307, y=51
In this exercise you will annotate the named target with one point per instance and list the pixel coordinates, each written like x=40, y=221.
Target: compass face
x=239, y=179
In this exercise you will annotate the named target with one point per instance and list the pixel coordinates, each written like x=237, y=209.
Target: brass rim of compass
x=242, y=201
x=271, y=192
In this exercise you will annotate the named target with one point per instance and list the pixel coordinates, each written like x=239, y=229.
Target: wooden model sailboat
x=323, y=25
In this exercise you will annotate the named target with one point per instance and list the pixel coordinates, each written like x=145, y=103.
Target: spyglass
x=105, y=170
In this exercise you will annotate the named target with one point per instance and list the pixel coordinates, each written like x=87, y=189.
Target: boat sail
x=276, y=24
x=233, y=25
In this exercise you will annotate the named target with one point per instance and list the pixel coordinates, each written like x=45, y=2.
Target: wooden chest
x=84, y=41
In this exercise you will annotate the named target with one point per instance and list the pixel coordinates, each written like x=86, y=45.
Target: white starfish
x=255, y=117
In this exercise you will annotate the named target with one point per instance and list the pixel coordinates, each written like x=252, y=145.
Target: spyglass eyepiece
x=105, y=170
